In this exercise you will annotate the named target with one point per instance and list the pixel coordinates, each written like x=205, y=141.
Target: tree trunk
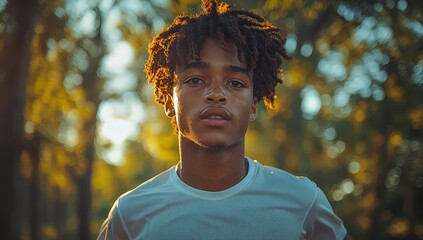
x=20, y=18
x=381, y=157
x=92, y=85
x=84, y=198
x=58, y=212
x=33, y=148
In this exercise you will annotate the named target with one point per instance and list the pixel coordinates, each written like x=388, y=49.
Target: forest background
x=79, y=127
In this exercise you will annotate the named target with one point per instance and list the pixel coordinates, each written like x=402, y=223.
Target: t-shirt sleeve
x=321, y=222
x=113, y=227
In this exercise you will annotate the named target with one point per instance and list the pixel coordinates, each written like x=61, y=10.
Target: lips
x=215, y=117
x=214, y=113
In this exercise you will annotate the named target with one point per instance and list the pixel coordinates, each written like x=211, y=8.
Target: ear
x=253, y=112
x=168, y=106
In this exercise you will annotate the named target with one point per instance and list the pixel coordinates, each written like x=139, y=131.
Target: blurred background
x=79, y=127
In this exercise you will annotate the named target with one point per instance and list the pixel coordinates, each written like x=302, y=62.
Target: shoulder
x=284, y=181
x=132, y=206
x=143, y=195
x=285, y=188
x=319, y=220
x=113, y=226
x=159, y=183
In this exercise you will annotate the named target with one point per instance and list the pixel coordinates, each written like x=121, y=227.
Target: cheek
x=181, y=107
x=177, y=99
x=245, y=101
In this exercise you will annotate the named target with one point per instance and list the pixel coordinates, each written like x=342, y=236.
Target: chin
x=216, y=144
x=212, y=145
x=212, y=141
x=215, y=147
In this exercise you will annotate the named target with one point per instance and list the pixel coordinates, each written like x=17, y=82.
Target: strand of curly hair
x=260, y=44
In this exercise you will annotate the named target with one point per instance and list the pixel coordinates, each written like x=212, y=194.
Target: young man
x=209, y=72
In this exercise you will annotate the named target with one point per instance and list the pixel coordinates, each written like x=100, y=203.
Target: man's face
x=213, y=98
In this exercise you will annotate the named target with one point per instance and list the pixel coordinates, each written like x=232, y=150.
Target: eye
x=194, y=80
x=236, y=84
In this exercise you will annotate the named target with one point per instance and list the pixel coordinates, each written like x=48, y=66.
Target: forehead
x=215, y=54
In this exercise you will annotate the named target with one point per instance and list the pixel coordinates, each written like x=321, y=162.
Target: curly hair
x=260, y=45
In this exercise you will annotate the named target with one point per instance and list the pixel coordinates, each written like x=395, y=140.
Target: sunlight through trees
x=79, y=125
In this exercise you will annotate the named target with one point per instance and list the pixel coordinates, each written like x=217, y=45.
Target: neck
x=211, y=169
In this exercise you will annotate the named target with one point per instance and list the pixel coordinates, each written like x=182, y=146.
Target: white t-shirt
x=268, y=203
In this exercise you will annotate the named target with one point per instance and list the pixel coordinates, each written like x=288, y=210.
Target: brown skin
x=213, y=104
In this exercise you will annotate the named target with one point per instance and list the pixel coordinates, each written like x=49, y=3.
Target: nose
x=215, y=94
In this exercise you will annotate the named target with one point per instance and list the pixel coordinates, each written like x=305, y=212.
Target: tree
x=20, y=17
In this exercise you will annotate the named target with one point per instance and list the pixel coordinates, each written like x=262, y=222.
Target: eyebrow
x=201, y=65
x=232, y=68
x=206, y=65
